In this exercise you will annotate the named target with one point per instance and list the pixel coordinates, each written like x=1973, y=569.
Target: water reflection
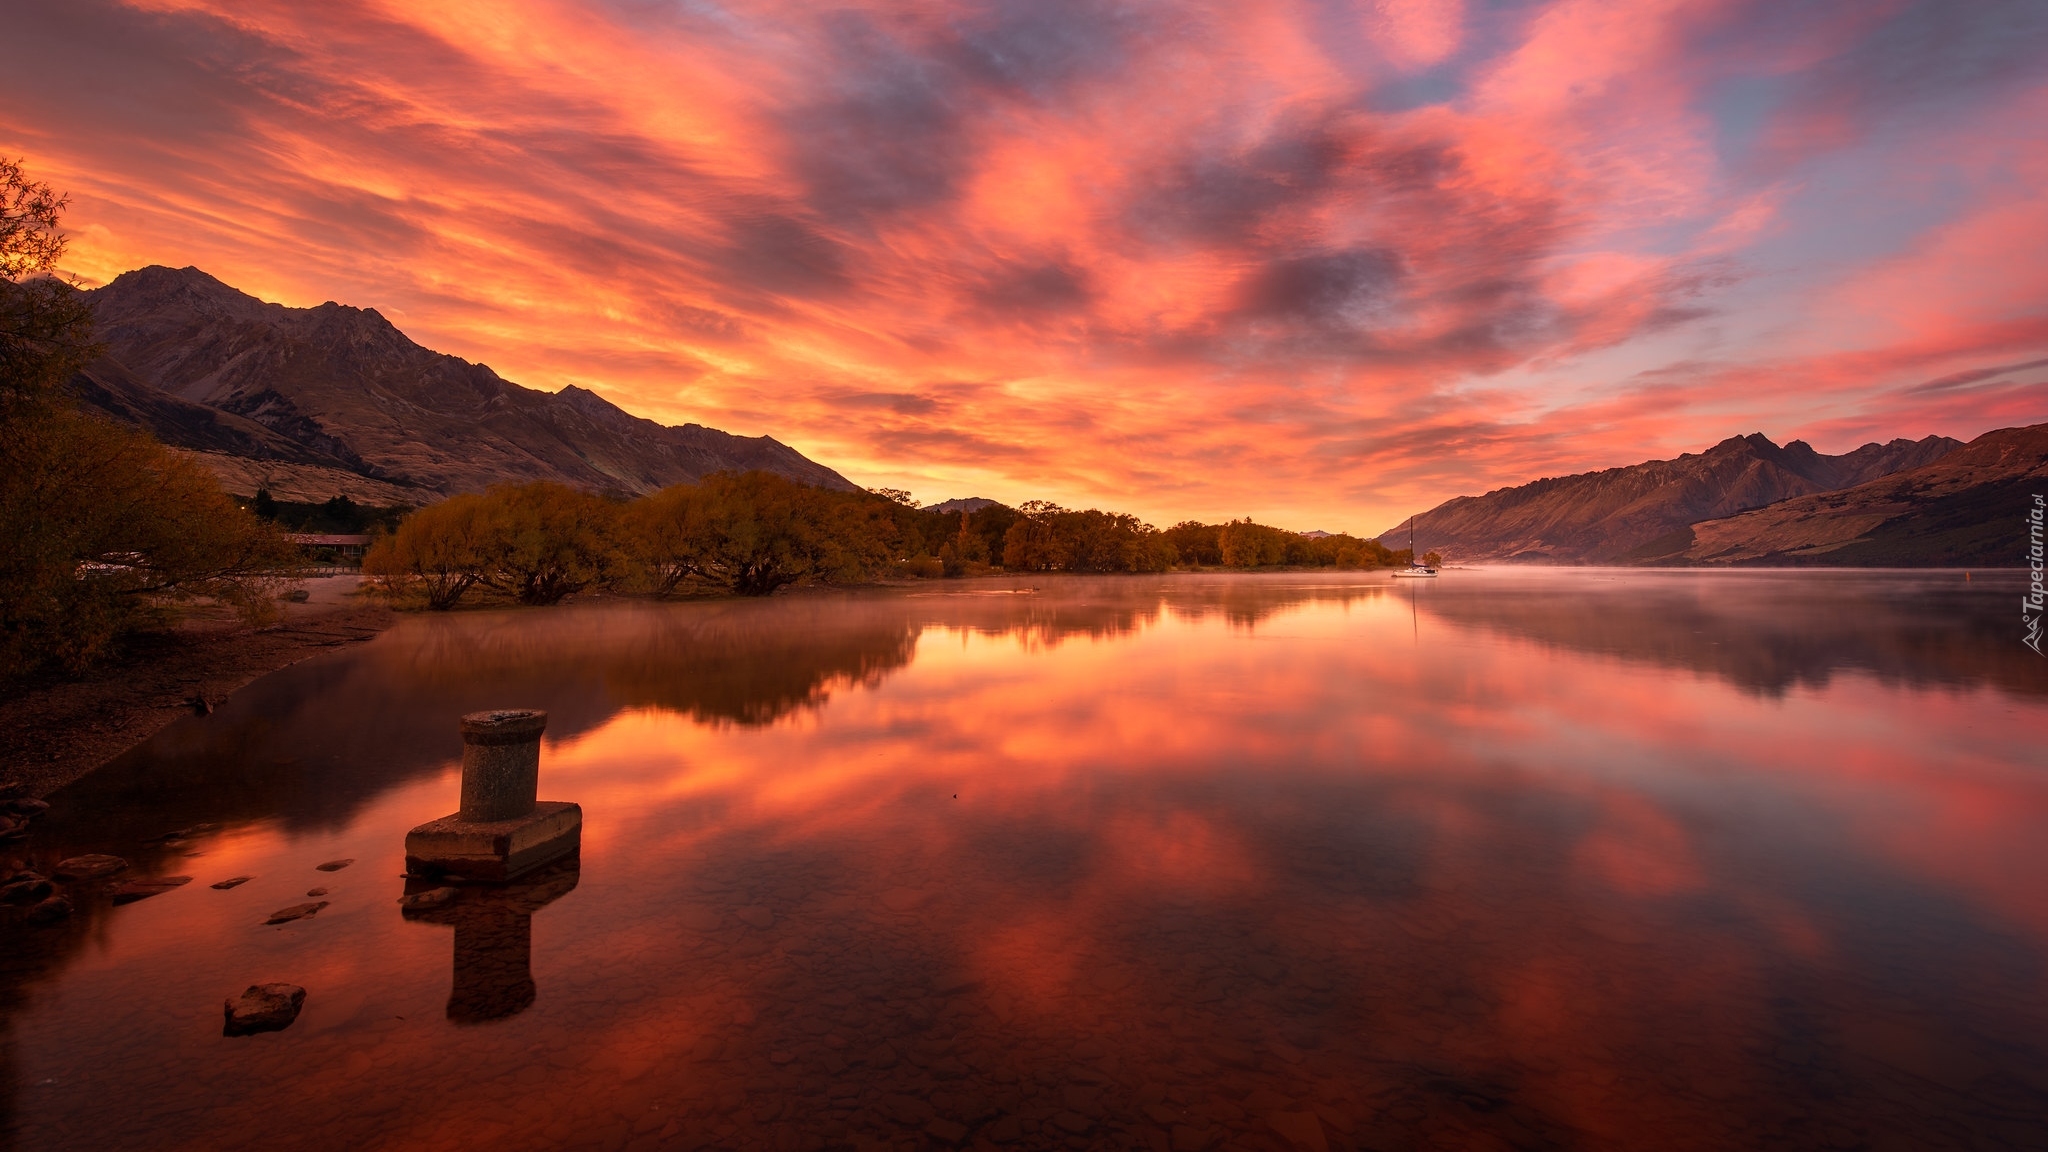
x=493, y=965
x=1764, y=631
x=1528, y=860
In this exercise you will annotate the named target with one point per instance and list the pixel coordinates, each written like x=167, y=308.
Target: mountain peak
x=157, y=286
x=354, y=394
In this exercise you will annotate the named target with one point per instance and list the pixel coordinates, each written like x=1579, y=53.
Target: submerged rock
x=89, y=867
x=130, y=891
x=180, y=834
x=50, y=911
x=24, y=888
x=316, y=891
x=333, y=865
x=263, y=1008
x=233, y=881
x=431, y=898
x=296, y=912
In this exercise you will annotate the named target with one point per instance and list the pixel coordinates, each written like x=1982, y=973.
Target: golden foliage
x=104, y=527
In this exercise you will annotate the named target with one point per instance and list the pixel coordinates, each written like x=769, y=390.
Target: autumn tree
x=1244, y=544
x=966, y=552
x=544, y=541
x=755, y=532
x=1196, y=544
x=45, y=324
x=439, y=552
x=1049, y=538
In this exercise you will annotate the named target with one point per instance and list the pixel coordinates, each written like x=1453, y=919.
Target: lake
x=1511, y=859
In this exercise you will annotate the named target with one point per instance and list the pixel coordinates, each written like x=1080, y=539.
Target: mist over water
x=1585, y=859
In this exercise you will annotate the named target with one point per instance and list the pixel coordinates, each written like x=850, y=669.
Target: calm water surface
x=1512, y=860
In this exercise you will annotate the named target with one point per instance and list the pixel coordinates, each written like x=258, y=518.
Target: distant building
x=338, y=546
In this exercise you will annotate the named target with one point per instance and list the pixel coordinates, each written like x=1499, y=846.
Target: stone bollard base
x=496, y=850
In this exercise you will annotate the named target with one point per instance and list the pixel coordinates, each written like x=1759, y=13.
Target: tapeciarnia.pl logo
x=2031, y=606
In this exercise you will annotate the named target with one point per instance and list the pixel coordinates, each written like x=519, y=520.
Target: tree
x=544, y=541
x=966, y=552
x=1244, y=544
x=45, y=325
x=1433, y=559
x=896, y=495
x=755, y=532
x=440, y=551
x=104, y=528
x=1195, y=543
x=1049, y=538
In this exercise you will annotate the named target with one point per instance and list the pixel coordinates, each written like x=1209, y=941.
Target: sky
x=1323, y=264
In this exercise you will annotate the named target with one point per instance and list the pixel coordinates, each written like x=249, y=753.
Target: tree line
x=752, y=533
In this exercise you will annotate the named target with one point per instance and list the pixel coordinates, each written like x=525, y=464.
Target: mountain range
x=1607, y=516
x=335, y=400
x=1967, y=508
x=1746, y=501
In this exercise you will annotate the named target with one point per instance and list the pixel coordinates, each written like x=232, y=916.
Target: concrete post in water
x=501, y=830
x=500, y=764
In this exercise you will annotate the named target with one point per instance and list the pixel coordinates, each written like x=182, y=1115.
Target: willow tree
x=755, y=532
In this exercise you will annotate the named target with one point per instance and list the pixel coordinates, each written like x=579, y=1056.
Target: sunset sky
x=1319, y=263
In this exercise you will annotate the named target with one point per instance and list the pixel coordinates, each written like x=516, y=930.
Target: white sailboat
x=1416, y=569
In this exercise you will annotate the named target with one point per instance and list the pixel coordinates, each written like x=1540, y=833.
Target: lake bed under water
x=1511, y=859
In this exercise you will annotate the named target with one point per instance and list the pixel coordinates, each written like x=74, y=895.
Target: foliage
x=337, y=514
x=439, y=552
x=537, y=543
x=1196, y=544
x=29, y=241
x=45, y=324
x=544, y=541
x=755, y=532
x=103, y=526
x=1244, y=544
x=1048, y=538
x=966, y=552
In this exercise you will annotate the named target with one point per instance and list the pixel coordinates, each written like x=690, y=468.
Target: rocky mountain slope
x=1598, y=517
x=336, y=396
x=1966, y=509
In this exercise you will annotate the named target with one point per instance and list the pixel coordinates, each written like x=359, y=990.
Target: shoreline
x=56, y=731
